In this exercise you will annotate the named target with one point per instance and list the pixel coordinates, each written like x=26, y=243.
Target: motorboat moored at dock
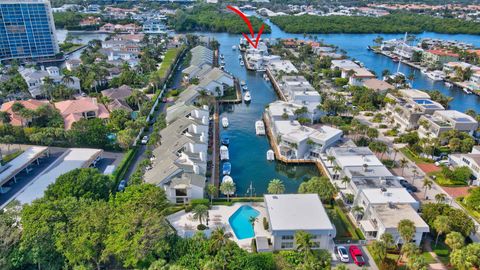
x=270, y=155
x=259, y=127
x=224, y=155
x=225, y=122
x=247, y=97
x=227, y=168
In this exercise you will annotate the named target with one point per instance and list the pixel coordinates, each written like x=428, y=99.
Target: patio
x=186, y=225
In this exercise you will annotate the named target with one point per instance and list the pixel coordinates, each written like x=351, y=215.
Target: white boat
x=224, y=155
x=435, y=75
x=259, y=127
x=424, y=70
x=265, y=77
x=270, y=155
x=221, y=56
x=242, y=63
x=245, y=88
x=239, y=57
x=247, y=97
x=225, y=122
x=467, y=91
x=447, y=84
x=234, y=47
x=222, y=67
x=242, y=83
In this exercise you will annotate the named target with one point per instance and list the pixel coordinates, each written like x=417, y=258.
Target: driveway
x=370, y=263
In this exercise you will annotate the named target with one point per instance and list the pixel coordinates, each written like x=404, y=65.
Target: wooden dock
x=275, y=85
x=215, y=147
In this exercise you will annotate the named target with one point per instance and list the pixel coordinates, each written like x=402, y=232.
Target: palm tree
x=139, y=97
x=218, y=239
x=5, y=117
x=455, y=240
x=358, y=211
x=252, y=221
x=212, y=191
x=415, y=173
x=200, y=212
x=403, y=164
x=427, y=184
x=276, y=186
x=441, y=225
x=440, y=197
x=303, y=241
x=227, y=188
x=331, y=159
x=48, y=86
x=345, y=180
x=336, y=169
x=406, y=229
x=387, y=238
x=68, y=79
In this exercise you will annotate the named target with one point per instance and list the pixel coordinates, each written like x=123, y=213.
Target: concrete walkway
x=438, y=265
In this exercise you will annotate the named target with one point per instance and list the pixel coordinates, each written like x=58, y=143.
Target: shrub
x=383, y=126
x=265, y=223
x=368, y=114
x=196, y=202
x=201, y=227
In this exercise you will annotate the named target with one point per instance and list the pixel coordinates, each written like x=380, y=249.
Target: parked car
x=357, y=255
x=409, y=187
x=122, y=185
x=343, y=254
x=442, y=162
x=145, y=140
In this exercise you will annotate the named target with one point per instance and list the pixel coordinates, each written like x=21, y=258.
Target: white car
x=145, y=140
x=442, y=162
x=343, y=254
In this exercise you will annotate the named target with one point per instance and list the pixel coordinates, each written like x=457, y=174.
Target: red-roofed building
x=15, y=118
x=436, y=58
x=74, y=110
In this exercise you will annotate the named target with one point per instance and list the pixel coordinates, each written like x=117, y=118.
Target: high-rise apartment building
x=27, y=30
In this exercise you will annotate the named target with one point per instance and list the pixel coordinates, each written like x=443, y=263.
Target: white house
x=35, y=79
x=445, y=120
x=216, y=81
x=384, y=218
x=289, y=213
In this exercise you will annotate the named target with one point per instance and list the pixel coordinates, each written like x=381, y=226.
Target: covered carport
x=10, y=170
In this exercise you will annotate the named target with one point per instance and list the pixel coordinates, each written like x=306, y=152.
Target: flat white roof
x=357, y=161
x=391, y=195
x=391, y=215
x=291, y=212
x=73, y=158
x=21, y=162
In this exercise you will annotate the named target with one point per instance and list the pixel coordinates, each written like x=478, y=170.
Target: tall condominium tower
x=27, y=30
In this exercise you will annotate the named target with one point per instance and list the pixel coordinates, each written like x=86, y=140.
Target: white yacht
x=259, y=127
x=435, y=75
x=467, y=91
x=225, y=122
x=221, y=56
x=224, y=155
x=242, y=63
x=247, y=97
x=234, y=47
x=265, y=77
x=270, y=155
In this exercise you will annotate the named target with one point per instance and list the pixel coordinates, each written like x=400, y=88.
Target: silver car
x=343, y=254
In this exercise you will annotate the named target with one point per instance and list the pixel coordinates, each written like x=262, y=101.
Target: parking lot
x=23, y=178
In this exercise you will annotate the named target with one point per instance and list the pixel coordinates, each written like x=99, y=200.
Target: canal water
x=248, y=151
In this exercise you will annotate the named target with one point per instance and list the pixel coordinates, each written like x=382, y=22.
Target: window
x=287, y=245
x=287, y=237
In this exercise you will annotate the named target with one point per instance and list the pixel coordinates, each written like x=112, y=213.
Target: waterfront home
x=35, y=80
x=354, y=157
x=181, y=110
x=435, y=59
x=378, y=85
x=384, y=218
x=181, y=160
x=390, y=45
x=154, y=26
x=216, y=81
x=279, y=67
x=201, y=55
x=357, y=76
x=289, y=213
x=16, y=119
x=122, y=28
x=188, y=96
x=90, y=20
x=475, y=78
x=295, y=141
x=451, y=68
x=74, y=110
x=281, y=110
x=409, y=105
x=344, y=64
x=445, y=120
x=321, y=50
x=368, y=197
x=406, y=51
x=298, y=90
x=258, y=61
x=198, y=72
x=470, y=160
x=431, y=43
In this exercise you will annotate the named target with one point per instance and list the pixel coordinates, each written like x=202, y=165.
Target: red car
x=356, y=255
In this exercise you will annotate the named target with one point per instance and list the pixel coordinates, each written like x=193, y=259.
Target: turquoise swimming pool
x=240, y=222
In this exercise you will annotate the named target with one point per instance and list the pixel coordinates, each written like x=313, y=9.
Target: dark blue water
x=248, y=151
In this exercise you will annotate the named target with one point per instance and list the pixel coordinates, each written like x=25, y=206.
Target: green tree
x=427, y=184
x=379, y=250
x=200, y=213
x=211, y=191
x=319, y=185
x=303, y=242
x=85, y=183
x=455, y=240
x=406, y=229
x=228, y=188
x=89, y=133
x=441, y=225
x=276, y=186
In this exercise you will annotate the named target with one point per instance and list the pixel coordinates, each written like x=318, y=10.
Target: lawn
x=442, y=251
x=229, y=94
x=168, y=60
x=473, y=213
x=414, y=157
x=428, y=257
x=442, y=180
x=345, y=229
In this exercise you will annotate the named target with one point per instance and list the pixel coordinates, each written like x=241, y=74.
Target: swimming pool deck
x=186, y=225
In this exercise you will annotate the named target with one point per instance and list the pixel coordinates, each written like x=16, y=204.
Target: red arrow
x=249, y=24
